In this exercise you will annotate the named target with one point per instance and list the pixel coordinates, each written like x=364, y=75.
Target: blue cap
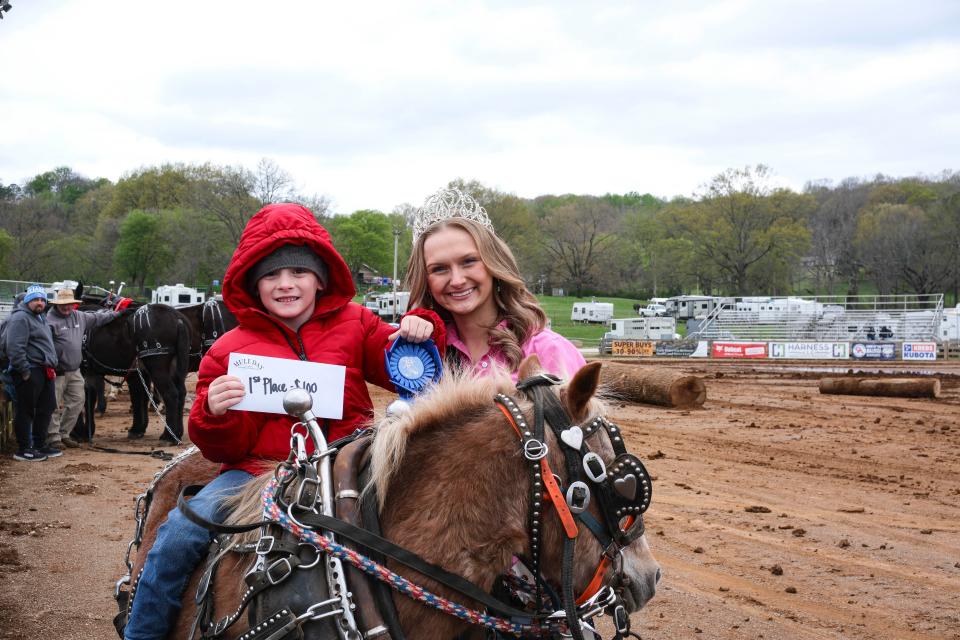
x=34, y=292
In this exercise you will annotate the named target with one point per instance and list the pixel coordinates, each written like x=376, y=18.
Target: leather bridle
x=622, y=490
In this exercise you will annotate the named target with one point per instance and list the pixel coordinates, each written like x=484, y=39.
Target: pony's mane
x=456, y=398
x=450, y=401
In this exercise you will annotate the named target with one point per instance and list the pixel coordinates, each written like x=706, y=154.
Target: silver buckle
x=578, y=497
x=533, y=449
x=593, y=458
x=284, y=563
x=265, y=545
x=308, y=484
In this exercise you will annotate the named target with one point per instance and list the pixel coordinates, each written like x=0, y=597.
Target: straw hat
x=64, y=296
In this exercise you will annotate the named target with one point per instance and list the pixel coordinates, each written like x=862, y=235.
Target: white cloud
x=380, y=103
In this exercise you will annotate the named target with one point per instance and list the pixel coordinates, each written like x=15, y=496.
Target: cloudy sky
x=378, y=103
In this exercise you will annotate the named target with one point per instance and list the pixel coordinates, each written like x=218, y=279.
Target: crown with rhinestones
x=446, y=204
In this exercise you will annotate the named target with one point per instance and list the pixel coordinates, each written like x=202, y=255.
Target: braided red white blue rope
x=273, y=512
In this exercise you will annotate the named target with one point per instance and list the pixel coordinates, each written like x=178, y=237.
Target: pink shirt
x=557, y=354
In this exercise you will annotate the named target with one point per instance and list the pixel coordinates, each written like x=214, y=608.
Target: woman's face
x=456, y=276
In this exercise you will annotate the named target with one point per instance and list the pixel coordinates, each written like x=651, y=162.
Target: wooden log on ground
x=893, y=387
x=650, y=385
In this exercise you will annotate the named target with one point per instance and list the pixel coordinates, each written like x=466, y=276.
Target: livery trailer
x=591, y=311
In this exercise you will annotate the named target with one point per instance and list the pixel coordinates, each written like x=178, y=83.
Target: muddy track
x=777, y=513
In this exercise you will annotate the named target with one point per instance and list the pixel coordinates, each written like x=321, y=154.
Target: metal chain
x=156, y=407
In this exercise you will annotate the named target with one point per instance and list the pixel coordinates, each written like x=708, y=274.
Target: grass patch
x=559, y=308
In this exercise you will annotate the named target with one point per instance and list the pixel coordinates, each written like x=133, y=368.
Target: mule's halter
x=622, y=490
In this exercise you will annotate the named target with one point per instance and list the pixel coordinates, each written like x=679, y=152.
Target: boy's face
x=290, y=294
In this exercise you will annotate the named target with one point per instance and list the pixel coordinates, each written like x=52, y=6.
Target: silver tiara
x=446, y=204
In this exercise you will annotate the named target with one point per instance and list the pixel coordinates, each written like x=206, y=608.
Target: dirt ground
x=777, y=513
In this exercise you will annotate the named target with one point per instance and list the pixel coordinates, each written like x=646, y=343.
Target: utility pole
x=396, y=242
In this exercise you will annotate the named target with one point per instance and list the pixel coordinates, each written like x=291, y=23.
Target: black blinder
x=629, y=490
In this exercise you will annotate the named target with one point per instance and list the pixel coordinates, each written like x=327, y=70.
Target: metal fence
x=825, y=318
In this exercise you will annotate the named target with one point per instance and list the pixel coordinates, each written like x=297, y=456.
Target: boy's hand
x=413, y=329
x=223, y=393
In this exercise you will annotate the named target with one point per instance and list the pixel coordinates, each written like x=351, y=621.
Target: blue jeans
x=177, y=552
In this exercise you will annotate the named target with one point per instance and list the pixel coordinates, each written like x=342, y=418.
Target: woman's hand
x=413, y=329
x=223, y=393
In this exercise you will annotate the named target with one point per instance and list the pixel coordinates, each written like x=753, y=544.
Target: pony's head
x=455, y=486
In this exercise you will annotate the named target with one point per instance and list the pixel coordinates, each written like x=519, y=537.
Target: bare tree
x=575, y=233
x=227, y=194
x=902, y=248
x=271, y=183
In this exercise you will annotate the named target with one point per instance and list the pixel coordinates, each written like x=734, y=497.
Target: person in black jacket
x=33, y=362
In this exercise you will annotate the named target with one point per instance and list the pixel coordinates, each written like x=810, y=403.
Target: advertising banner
x=633, y=347
x=919, y=351
x=874, y=350
x=680, y=349
x=810, y=350
x=739, y=350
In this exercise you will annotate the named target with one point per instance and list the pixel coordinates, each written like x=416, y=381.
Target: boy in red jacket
x=291, y=293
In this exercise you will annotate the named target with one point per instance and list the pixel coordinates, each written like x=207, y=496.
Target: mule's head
x=633, y=571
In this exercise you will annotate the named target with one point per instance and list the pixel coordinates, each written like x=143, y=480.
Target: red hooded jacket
x=339, y=332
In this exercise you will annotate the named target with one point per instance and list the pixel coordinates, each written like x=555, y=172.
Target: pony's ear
x=78, y=292
x=581, y=389
x=530, y=366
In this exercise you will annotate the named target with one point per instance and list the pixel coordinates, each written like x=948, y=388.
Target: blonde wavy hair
x=515, y=304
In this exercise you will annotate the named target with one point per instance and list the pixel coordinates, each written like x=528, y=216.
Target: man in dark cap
x=33, y=360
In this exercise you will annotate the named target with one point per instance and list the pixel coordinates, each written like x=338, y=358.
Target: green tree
x=6, y=248
x=948, y=222
x=742, y=225
x=364, y=237
x=141, y=252
x=151, y=189
x=62, y=184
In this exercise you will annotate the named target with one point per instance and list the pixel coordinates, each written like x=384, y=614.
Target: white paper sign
x=267, y=380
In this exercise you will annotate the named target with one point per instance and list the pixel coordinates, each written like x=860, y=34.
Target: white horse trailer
x=591, y=311
x=690, y=307
x=177, y=295
x=643, y=328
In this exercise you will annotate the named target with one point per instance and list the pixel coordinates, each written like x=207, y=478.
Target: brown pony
x=454, y=487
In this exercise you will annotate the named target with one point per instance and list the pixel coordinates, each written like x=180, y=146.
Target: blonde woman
x=460, y=269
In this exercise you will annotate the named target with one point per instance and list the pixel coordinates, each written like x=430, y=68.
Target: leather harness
x=622, y=491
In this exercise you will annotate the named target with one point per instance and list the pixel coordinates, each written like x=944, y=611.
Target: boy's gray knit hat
x=289, y=255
